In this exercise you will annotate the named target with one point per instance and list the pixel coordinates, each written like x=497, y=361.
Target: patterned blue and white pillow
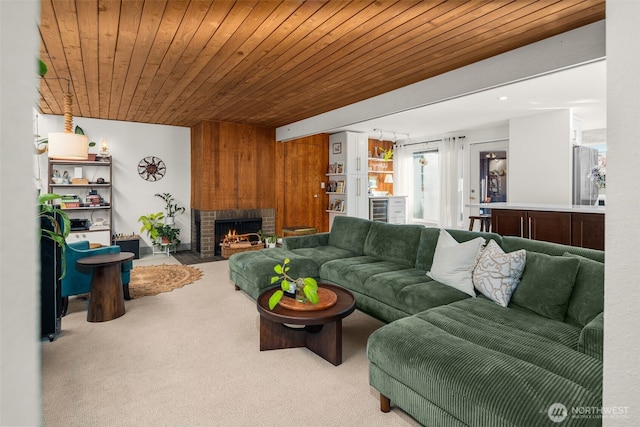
x=497, y=274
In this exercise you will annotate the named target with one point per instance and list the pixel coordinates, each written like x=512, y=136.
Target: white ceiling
x=581, y=88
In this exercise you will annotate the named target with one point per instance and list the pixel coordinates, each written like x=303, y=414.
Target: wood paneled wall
x=236, y=166
x=232, y=166
x=302, y=167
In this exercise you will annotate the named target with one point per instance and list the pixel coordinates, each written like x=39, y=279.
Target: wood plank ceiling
x=270, y=63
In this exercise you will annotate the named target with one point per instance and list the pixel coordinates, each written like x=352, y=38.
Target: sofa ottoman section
x=447, y=366
x=252, y=271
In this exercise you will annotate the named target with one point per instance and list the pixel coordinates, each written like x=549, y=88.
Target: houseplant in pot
x=150, y=224
x=305, y=288
x=170, y=207
x=271, y=241
x=168, y=234
x=55, y=224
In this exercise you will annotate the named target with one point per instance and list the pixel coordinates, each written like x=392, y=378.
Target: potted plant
x=169, y=235
x=305, y=288
x=150, y=224
x=54, y=223
x=171, y=208
x=271, y=241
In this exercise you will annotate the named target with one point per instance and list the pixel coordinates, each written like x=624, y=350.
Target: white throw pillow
x=497, y=274
x=453, y=262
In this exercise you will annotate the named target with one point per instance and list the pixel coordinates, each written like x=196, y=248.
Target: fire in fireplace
x=237, y=226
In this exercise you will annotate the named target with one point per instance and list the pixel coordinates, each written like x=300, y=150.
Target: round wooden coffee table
x=319, y=330
x=107, y=296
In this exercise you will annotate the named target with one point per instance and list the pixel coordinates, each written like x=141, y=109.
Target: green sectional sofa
x=448, y=358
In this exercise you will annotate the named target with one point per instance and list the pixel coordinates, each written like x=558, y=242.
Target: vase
x=300, y=296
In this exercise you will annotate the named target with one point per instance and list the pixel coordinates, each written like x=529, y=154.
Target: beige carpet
x=191, y=358
x=149, y=280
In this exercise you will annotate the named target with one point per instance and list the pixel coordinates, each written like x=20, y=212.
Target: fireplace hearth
x=210, y=227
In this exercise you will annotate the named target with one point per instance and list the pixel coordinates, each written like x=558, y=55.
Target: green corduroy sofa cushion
x=411, y=291
x=352, y=273
x=486, y=365
x=546, y=285
x=591, y=340
x=349, y=233
x=251, y=271
x=511, y=243
x=392, y=242
x=426, y=248
x=322, y=254
x=587, y=298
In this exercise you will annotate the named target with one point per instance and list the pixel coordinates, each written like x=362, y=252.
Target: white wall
x=540, y=158
x=622, y=269
x=129, y=143
x=20, y=403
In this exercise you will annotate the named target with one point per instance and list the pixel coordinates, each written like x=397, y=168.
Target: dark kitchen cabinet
x=549, y=226
x=587, y=230
x=576, y=229
x=537, y=225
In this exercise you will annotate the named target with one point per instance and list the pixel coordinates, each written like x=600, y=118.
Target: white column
x=622, y=267
x=19, y=259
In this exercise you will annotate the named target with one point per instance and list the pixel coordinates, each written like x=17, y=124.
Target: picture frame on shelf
x=340, y=167
x=332, y=168
x=337, y=148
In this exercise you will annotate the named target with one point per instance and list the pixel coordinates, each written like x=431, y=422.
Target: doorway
x=488, y=174
x=493, y=176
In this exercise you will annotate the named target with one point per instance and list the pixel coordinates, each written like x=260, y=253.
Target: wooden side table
x=107, y=296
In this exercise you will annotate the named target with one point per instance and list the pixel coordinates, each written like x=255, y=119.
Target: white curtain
x=402, y=184
x=451, y=161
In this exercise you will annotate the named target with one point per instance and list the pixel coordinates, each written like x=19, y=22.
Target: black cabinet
x=50, y=288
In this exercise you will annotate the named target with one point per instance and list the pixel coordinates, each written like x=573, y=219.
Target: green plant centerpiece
x=305, y=288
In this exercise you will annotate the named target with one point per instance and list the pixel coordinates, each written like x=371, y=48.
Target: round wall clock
x=151, y=168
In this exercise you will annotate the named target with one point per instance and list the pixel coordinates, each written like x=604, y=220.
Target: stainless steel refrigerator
x=585, y=186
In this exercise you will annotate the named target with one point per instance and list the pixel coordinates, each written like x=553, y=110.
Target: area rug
x=153, y=279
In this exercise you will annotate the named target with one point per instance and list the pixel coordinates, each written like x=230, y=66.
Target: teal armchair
x=78, y=280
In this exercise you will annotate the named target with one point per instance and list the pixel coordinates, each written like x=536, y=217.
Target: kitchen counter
x=540, y=207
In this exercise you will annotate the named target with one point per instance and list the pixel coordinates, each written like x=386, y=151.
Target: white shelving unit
x=348, y=165
x=96, y=210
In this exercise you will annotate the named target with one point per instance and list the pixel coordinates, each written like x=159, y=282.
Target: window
x=426, y=187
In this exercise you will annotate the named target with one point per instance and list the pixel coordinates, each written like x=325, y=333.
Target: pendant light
x=68, y=145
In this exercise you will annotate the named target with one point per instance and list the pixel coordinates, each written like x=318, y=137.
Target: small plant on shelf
x=305, y=288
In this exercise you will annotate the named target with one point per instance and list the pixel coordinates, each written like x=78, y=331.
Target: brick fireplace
x=203, y=226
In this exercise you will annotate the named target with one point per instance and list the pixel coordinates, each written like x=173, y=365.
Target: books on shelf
x=335, y=186
x=337, y=167
x=336, y=205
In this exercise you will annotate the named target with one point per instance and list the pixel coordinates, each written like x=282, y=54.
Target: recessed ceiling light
x=502, y=98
